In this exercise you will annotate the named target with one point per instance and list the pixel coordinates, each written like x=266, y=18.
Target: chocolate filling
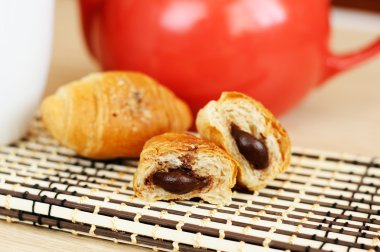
x=179, y=180
x=254, y=150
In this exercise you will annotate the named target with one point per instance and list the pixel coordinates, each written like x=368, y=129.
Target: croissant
x=250, y=133
x=112, y=114
x=181, y=166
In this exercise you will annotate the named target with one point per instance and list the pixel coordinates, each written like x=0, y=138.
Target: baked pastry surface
x=250, y=133
x=181, y=166
x=112, y=114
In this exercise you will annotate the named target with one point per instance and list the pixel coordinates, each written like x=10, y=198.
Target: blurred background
x=342, y=115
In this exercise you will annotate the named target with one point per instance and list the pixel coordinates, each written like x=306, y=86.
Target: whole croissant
x=112, y=114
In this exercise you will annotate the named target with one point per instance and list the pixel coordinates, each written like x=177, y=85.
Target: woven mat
x=325, y=201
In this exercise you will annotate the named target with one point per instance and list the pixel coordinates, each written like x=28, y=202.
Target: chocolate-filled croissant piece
x=112, y=114
x=250, y=133
x=181, y=166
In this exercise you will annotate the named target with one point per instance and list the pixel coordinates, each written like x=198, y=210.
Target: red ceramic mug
x=274, y=50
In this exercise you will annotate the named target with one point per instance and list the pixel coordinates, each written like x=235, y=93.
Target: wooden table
x=343, y=115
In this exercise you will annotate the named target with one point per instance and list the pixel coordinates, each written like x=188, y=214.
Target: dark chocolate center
x=179, y=181
x=254, y=150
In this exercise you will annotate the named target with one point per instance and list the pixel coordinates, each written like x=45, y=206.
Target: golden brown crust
x=211, y=127
x=275, y=126
x=112, y=114
x=175, y=142
x=173, y=146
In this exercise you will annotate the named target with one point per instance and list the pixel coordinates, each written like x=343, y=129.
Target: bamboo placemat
x=325, y=201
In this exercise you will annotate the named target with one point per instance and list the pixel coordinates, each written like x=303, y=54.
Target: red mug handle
x=338, y=63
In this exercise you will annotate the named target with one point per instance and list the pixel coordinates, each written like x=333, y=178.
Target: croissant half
x=112, y=114
x=181, y=166
x=250, y=133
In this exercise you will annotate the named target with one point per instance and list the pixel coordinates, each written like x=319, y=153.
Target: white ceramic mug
x=25, y=45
